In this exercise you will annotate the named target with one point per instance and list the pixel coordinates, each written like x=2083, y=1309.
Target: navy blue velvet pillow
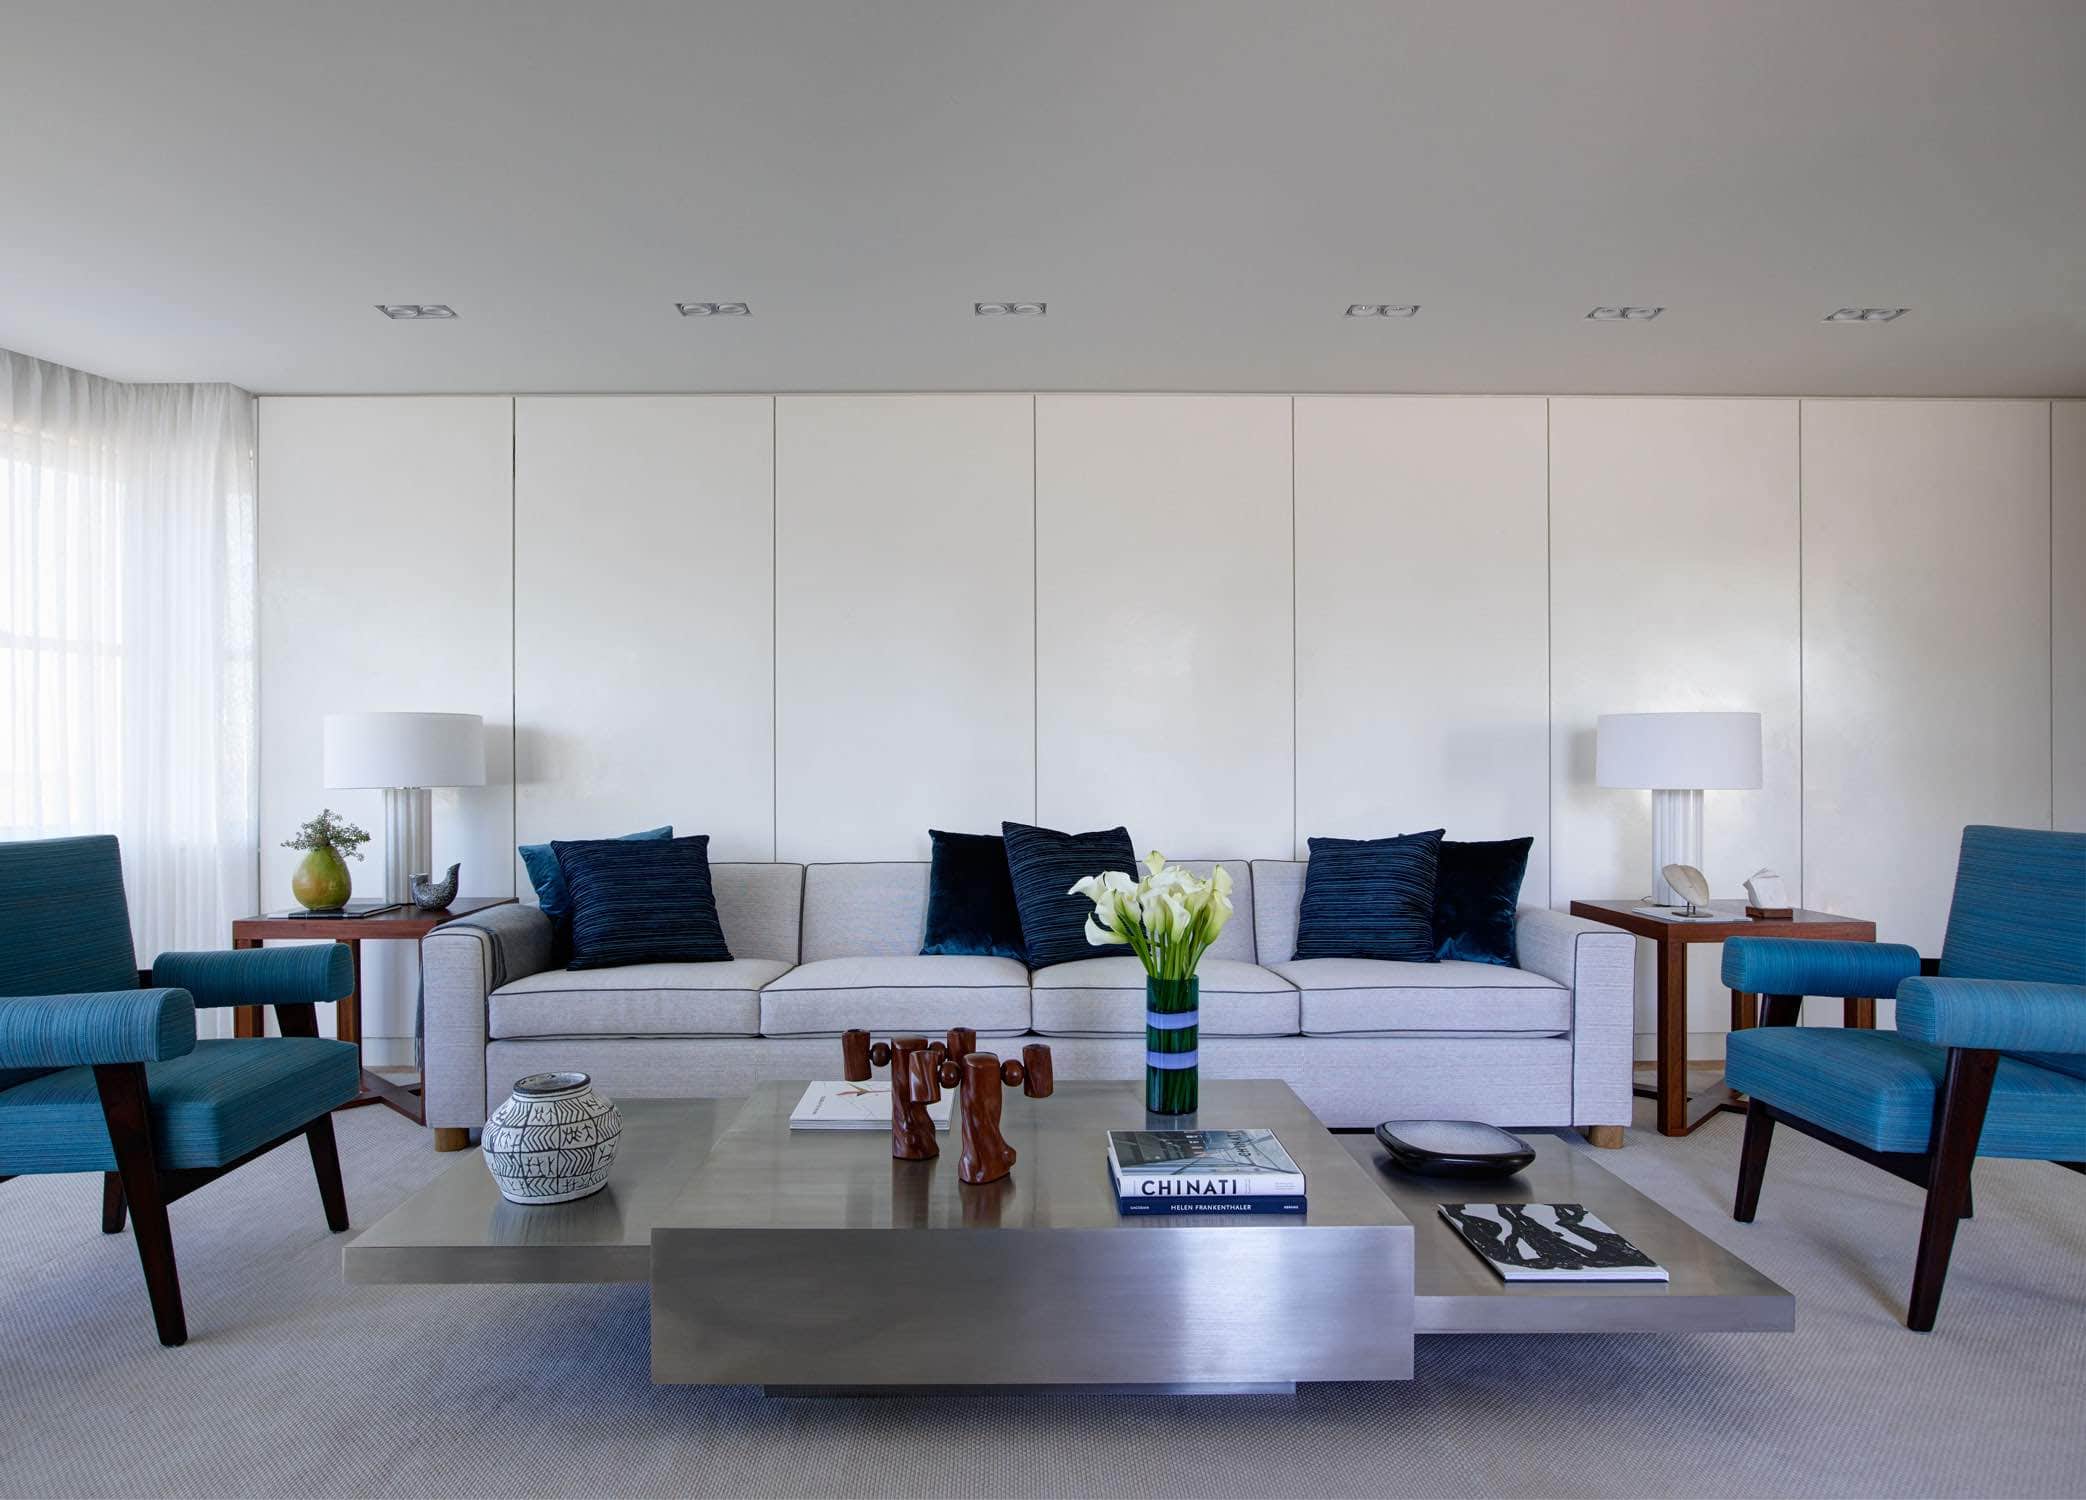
x=1044, y=864
x=641, y=901
x=1477, y=892
x=1370, y=898
x=970, y=898
x=551, y=896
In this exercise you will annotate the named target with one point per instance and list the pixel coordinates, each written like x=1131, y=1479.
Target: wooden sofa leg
x=124, y=1105
x=325, y=1165
x=1607, y=1137
x=1752, y=1161
x=1965, y=1092
x=112, y=1215
x=452, y=1138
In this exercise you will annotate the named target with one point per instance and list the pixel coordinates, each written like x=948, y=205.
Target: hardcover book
x=1255, y=1203
x=1549, y=1242
x=857, y=1106
x=1163, y=1164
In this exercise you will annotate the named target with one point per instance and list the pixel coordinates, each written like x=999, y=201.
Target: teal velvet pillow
x=552, y=895
x=970, y=898
x=1477, y=891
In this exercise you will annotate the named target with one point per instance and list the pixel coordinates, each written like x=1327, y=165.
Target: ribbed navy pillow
x=552, y=899
x=1370, y=898
x=1044, y=864
x=642, y=901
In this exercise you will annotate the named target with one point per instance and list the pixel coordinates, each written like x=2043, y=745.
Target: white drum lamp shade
x=1678, y=756
x=405, y=754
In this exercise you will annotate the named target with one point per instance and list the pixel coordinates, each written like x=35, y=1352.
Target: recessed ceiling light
x=1382, y=309
x=409, y=311
x=1866, y=314
x=1625, y=314
x=1009, y=309
x=713, y=309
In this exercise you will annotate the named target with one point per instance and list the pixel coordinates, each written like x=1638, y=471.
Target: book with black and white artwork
x=857, y=1106
x=1549, y=1242
x=1185, y=1164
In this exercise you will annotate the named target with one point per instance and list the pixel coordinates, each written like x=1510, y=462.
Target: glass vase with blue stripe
x=1169, y=918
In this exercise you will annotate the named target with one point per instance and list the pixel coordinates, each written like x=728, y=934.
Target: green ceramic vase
x=321, y=882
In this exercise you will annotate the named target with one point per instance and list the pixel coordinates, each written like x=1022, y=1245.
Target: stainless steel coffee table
x=813, y=1260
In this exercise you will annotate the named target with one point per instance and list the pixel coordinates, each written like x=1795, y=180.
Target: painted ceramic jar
x=553, y=1140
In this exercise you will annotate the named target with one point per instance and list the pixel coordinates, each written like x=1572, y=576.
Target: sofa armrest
x=309, y=974
x=461, y=963
x=2001, y=1015
x=115, y=1026
x=1598, y=964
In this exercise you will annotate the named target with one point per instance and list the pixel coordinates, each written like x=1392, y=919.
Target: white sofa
x=824, y=947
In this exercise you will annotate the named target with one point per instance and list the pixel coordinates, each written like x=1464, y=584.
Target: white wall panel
x=1422, y=618
x=2068, y=604
x=385, y=542
x=1164, y=595
x=1926, y=646
x=1673, y=537
x=644, y=640
x=905, y=621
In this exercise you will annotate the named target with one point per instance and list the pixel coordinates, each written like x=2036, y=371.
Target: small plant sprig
x=328, y=832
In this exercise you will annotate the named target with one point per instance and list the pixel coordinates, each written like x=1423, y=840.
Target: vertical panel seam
x=1550, y=684
x=775, y=640
x=513, y=630
x=2050, y=483
x=1035, y=620
x=1295, y=628
x=1802, y=703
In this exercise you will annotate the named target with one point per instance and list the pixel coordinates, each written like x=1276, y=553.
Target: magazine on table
x=857, y=1106
x=1549, y=1242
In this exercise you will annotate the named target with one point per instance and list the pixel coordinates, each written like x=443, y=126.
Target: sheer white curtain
x=127, y=621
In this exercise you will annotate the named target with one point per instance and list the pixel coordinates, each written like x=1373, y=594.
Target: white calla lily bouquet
x=1169, y=917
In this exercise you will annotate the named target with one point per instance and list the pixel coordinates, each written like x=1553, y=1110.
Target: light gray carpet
x=296, y=1384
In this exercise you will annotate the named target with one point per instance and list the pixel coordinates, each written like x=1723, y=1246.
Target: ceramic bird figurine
x=431, y=895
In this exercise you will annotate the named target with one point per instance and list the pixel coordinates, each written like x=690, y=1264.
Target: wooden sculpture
x=920, y=1070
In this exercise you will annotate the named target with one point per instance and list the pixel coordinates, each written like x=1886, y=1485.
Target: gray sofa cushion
x=1278, y=894
x=636, y=1000
x=759, y=907
x=1380, y=997
x=909, y=994
x=1105, y=997
x=869, y=909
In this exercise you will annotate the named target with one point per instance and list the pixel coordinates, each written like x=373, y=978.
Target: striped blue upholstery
x=1802, y=966
x=1043, y=865
x=64, y=1031
x=641, y=901
x=1878, y=1088
x=210, y=1107
x=2020, y=907
x=2006, y=1015
x=64, y=927
x=311, y=974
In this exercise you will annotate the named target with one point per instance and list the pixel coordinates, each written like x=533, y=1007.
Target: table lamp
x=405, y=754
x=1678, y=756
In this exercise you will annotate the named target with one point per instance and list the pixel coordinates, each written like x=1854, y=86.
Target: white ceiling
x=215, y=190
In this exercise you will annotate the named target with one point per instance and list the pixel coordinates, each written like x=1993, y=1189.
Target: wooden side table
x=404, y=924
x=1678, y=1111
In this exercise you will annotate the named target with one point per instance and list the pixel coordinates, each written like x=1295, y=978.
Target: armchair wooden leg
x=1783, y=1010
x=1752, y=1161
x=1745, y=1010
x=325, y=1165
x=1965, y=1092
x=1858, y=1013
x=123, y=1104
x=112, y=1215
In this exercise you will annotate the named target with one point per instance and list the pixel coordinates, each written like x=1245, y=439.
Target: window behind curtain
x=126, y=636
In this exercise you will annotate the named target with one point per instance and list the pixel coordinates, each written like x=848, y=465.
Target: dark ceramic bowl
x=1454, y=1148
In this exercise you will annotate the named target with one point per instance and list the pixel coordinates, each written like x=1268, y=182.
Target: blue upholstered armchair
x=99, y=1074
x=1989, y=1058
